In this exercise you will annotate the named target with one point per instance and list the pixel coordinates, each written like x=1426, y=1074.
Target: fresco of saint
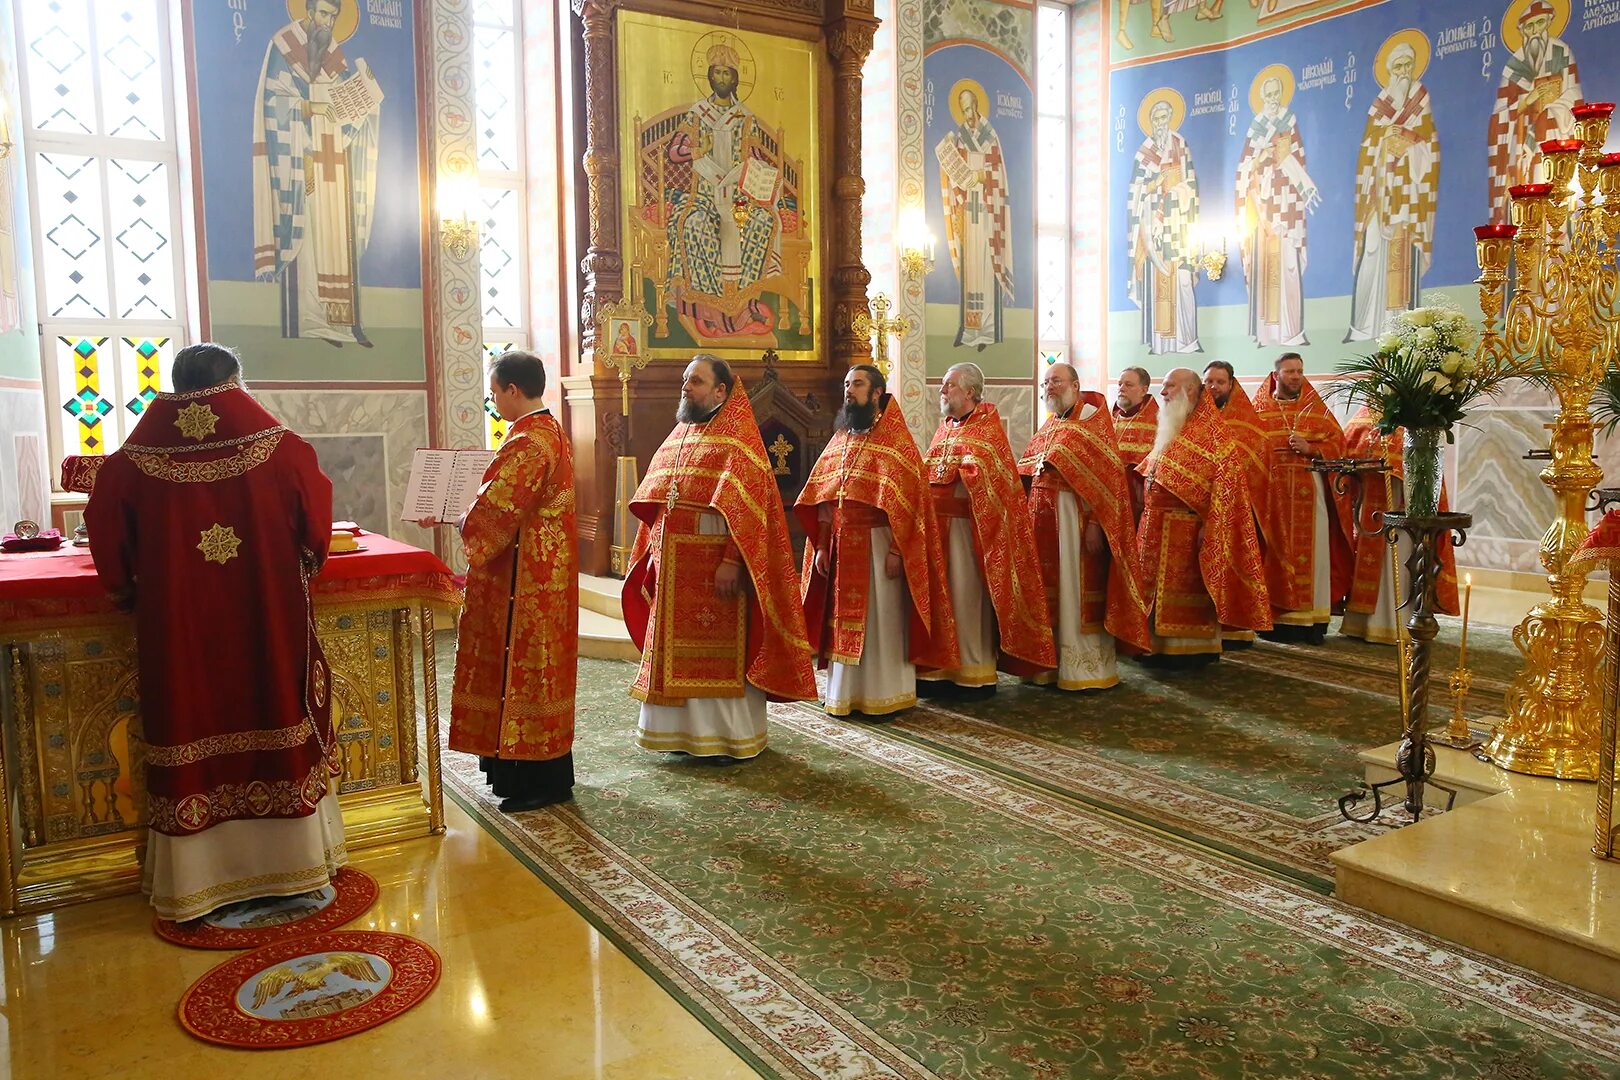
x=973, y=189
x=315, y=173
x=1161, y=218
x=1274, y=193
x=1534, y=101
x=1397, y=190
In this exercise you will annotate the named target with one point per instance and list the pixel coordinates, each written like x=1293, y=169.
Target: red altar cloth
x=56, y=588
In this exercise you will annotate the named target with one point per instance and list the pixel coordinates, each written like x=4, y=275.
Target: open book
x=357, y=97
x=444, y=483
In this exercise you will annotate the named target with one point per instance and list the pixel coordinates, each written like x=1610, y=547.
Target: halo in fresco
x=723, y=40
x=347, y=21
x=1417, y=40
x=1513, y=37
x=1283, y=73
x=1178, y=109
x=977, y=91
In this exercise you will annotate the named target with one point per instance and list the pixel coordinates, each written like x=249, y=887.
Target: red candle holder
x=1495, y=232
x=1608, y=161
x=1587, y=109
x=1530, y=191
x=1561, y=146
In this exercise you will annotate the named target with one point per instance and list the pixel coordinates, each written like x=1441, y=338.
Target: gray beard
x=853, y=417
x=688, y=412
x=1172, y=418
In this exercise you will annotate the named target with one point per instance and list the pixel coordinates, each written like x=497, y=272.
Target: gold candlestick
x=1560, y=323
x=1457, y=733
x=621, y=344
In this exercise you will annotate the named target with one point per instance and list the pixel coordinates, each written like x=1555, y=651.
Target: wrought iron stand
x=1414, y=761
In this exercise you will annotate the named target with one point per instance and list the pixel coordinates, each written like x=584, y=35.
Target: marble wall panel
x=1496, y=484
x=24, y=482
x=358, y=466
x=398, y=418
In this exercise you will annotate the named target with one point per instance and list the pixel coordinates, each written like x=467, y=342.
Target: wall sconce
x=916, y=243
x=457, y=197
x=1212, y=250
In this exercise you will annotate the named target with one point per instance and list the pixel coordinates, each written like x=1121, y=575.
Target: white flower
x=1439, y=383
x=1422, y=316
x=1451, y=363
x=1427, y=336
x=1389, y=343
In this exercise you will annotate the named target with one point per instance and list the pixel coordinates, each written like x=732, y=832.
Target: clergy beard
x=1285, y=395
x=1172, y=418
x=1062, y=402
x=1399, y=89
x=690, y=412
x=853, y=417
x=1534, y=49
x=1221, y=400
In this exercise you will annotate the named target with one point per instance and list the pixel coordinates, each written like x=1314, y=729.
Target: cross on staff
x=877, y=326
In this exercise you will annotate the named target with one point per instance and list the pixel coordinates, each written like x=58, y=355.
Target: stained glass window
x=1052, y=183
x=495, y=427
x=103, y=165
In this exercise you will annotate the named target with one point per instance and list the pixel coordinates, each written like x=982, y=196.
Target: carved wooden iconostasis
x=722, y=151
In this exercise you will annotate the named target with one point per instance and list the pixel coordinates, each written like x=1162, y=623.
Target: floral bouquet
x=1425, y=373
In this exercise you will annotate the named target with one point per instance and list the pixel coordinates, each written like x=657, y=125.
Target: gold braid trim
x=217, y=444
x=248, y=458
x=235, y=742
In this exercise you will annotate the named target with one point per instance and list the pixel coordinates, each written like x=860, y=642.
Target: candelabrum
x=880, y=326
x=1561, y=326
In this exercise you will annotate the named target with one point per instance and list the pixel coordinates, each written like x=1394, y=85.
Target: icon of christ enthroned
x=718, y=224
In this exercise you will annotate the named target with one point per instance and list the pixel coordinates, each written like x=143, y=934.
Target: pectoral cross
x=674, y=496
x=877, y=325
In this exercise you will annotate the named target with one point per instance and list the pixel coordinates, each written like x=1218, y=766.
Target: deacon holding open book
x=711, y=597
x=513, y=702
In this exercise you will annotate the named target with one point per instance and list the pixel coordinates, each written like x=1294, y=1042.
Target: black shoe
x=518, y=804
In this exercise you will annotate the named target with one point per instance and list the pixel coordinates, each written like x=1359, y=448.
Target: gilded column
x=849, y=40
x=603, y=264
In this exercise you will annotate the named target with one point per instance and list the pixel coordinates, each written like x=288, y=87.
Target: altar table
x=72, y=797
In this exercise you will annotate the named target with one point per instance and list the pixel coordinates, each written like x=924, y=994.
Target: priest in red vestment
x=710, y=598
x=1136, y=418
x=1307, y=528
x=209, y=522
x=1249, y=438
x=873, y=583
x=997, y=595
x=1201, y=564
x=1080, y=513
x=518, y=647
x=1370, y=611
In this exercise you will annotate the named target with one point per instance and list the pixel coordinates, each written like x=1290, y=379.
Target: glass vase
x=1422, y=452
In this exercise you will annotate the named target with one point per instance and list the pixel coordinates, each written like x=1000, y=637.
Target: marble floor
x=529, y=989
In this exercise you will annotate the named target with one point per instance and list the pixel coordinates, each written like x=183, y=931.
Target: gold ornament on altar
x=1458, y=734
x=780, y=449
x=876, y=325
x=1562, y=325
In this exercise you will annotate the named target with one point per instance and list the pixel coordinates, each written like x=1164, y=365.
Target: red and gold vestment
x=975, y=451
x=212, y=518
x=1134, y=435
x=1080, y=455
x=693, y=643
x=1249, y=436
x=1200, y=557
x=869, y=479
x=518, y=646
x=1290, y=519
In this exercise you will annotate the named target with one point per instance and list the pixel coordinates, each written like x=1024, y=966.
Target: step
x=605, y=638
x=1510, y=874
x=601, y=595
x=1472, y=779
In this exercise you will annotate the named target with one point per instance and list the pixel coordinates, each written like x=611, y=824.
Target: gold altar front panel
x=73, y=754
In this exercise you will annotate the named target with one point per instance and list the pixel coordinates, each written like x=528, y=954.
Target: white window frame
x=181, y=241
x=514, y=180
x=1054, y=168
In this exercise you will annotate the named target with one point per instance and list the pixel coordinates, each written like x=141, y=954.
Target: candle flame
x=1468, y=579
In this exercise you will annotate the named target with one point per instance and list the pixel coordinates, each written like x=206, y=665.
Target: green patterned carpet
x=855, y=903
